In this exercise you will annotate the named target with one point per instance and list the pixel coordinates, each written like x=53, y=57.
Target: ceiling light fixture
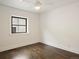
x=37, y=5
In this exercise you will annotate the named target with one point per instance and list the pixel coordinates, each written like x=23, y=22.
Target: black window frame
x=18, y=25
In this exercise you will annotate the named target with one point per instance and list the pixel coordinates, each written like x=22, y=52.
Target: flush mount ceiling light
x=37, y=5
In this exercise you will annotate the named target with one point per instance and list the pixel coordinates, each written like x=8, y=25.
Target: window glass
x=19, y=25
x=22, y=22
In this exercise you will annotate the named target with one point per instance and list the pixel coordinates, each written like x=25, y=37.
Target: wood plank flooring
x=37, y=51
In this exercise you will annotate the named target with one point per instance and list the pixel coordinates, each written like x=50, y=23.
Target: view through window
x=18, y=24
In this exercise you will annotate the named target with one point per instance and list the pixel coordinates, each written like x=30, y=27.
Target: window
x=18, y=24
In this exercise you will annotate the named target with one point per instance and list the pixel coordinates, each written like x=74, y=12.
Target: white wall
x=10, y=41
x=60, y=27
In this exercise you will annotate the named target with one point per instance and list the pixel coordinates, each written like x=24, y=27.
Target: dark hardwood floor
x=37, y=51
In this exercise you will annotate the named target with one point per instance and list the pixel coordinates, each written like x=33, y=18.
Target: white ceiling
x=28, y=5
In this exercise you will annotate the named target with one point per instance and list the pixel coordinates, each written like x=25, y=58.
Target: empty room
x=39, y=29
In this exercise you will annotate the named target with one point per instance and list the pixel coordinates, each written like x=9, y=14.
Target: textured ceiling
x=28, y=5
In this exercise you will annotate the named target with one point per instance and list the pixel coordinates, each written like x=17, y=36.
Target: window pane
x=22, y=29
x=15, y=21
x=13, y=29
x=17, y=28
x=22, y=22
